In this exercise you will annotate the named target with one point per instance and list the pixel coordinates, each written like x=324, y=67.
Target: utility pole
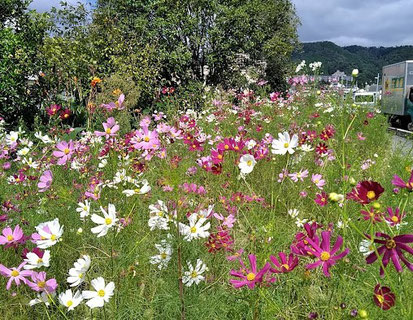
x=377, y=87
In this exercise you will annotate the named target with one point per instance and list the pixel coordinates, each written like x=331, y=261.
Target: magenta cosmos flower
x=40, y=283
x=10, y=237
x=15, y=274
x=248, y=277
x=45, y=181
x=392, y=249
x=398, y=182
x=324, y=253
x=284, y=264
x=64, y=152
x=110, y=127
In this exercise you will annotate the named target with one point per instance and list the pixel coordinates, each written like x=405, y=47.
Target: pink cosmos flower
x=40, y=284
x=299, y=175
x=394, y=217
x=15, y=274
x=110, y=126
x=10, y=237
x=360, y=136
x=64, y=152
x=318, y=180
x=284, y=264
x=321, y=199
x=145, y=139
x=326, y=255
x=249, y=277
x=45, y=181
x=398, y=182
x=392, y=249
x=227, y=221
x=236, y=255
x=115, y=105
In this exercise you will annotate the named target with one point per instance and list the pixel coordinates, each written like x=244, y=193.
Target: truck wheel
x=410, y=126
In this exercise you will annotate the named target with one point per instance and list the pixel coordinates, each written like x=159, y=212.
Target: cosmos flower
x=110, y=128
x=398, y=182
x=70, y=300
x=249, y=276
x=10, y=237
x=45, y=181
x=101, y=294
x=196, y=229
x=165, y=252
x=321, y=199
x=366, y=192
x=194, y=275
x=318, y=180
x=37, y=259
x=15, y=274
x=383, y=297
x=48, y=234
x=284, y=144
x=64, y=152
x=77, y=273
x=106, y=222
x=394, y=218
x=324, y=252
x=284, y=264
x=40, y=283
x=392, y=249
x=246, y=163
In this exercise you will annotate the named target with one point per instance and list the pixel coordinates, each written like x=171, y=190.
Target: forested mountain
x=369, y=60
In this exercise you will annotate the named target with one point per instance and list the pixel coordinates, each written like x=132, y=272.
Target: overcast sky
x=345, y=22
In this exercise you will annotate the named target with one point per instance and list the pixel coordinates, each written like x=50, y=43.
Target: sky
x=345, y=22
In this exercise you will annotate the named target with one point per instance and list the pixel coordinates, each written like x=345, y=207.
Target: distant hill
x=369, y=60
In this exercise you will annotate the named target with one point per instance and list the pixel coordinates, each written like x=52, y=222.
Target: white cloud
x=46, y=5
x=362, y=22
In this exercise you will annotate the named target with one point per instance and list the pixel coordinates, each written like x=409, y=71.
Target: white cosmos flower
x=284, y=144
x=83, y=208
x=196, y=229
x=34, y=261
x=246, y=163
x=77, y=273
x=293, y=213
x=300, y=222
x=12, y=137
x=366, y=247
x=31, y=163
x=101, y=294
x=44, y=139
x=50, y=233
x=44, y=297
x=159, y=216
x=306, y=148
x=23, y=151
x=165, y=252
x=69, y=300
x=106, y=222
x=194, y=274
x=140, y=189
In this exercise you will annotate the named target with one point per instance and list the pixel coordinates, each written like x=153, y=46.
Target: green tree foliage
x=190, y=34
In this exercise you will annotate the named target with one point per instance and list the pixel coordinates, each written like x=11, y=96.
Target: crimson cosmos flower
x=383, y=297
x=391, y=249
x=366, y=192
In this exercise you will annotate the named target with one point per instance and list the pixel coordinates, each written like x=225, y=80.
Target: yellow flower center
x=194, y=274
x=286, y=267
x=40, y=260
x=15, y=273
x=219, y=156
x=193, y=229
x=108, y=131
x=380, y=298
x=137, y=190
x=108, y=221
x=66, y=151
x=325, y=255
x=249, y=163
x=394, y=219
x=250, y=276
x=53, y=237
x=226, y=147
x=390, y=244
x=80, y=275
x=69, y=303
x=101, y=293
x=163, y=255
x=10, y=237
x=371, y=195
x=85, y=208
x=41, y=284
x=146, y=139
x=286, y=145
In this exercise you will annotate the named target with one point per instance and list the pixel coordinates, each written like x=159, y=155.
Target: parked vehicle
x=397, y=97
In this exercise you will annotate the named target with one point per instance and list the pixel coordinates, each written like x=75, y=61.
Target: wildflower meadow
x=261, y=205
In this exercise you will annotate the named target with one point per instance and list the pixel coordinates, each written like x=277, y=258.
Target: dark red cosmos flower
x=392, y=248
x=65, y=114
x=284, y=264
x=383, y=297
x=321, y=148
x=366, y=192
